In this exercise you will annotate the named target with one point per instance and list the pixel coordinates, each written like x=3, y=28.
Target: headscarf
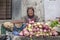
x=32, y=10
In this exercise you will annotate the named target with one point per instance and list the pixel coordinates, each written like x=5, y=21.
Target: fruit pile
x=38, y=29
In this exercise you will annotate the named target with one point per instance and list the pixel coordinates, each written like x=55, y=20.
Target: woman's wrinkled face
x=30, y=12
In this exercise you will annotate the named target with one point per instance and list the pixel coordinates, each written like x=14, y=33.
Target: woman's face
x=30, y=12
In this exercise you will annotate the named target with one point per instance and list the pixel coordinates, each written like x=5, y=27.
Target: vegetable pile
x=38, y=29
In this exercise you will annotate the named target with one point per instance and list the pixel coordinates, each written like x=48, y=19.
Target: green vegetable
x=54, y=23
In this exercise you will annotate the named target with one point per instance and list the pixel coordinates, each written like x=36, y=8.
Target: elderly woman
x=30, y=17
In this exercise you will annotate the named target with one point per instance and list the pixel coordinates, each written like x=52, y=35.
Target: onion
x=24, y=29
x=29, y=29
x=26, y=33
x=47, y=34
x=31, y=33
x=41, y=30
x=34, y=29
x=32, y=21
x=45, y=30
x=50, y=34
x=29, y=25
x=37, y=35
x=46, y=27
x=38, y=23
x=21, y=33
x=40, y=26
x=37, y=29
x=36, y=26
x=55, y=33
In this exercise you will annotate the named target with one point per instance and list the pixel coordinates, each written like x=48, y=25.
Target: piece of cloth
x=20, y=28
x=3, y=29
x=16, y=30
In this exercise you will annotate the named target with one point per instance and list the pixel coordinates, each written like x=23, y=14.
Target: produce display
x=32, y=29
x=38, y=29
x=35, y=29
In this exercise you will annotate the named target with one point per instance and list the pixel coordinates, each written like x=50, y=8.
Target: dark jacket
x=35, y=18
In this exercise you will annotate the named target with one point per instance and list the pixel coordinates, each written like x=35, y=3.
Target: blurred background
x=15, y=9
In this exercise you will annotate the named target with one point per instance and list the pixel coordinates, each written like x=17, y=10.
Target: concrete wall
x=45, y=9
x=16, y=9
x=52, y=9
x=20, y=7
x=37, y=5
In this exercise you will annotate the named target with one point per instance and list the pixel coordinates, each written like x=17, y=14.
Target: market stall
x=33, y=31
